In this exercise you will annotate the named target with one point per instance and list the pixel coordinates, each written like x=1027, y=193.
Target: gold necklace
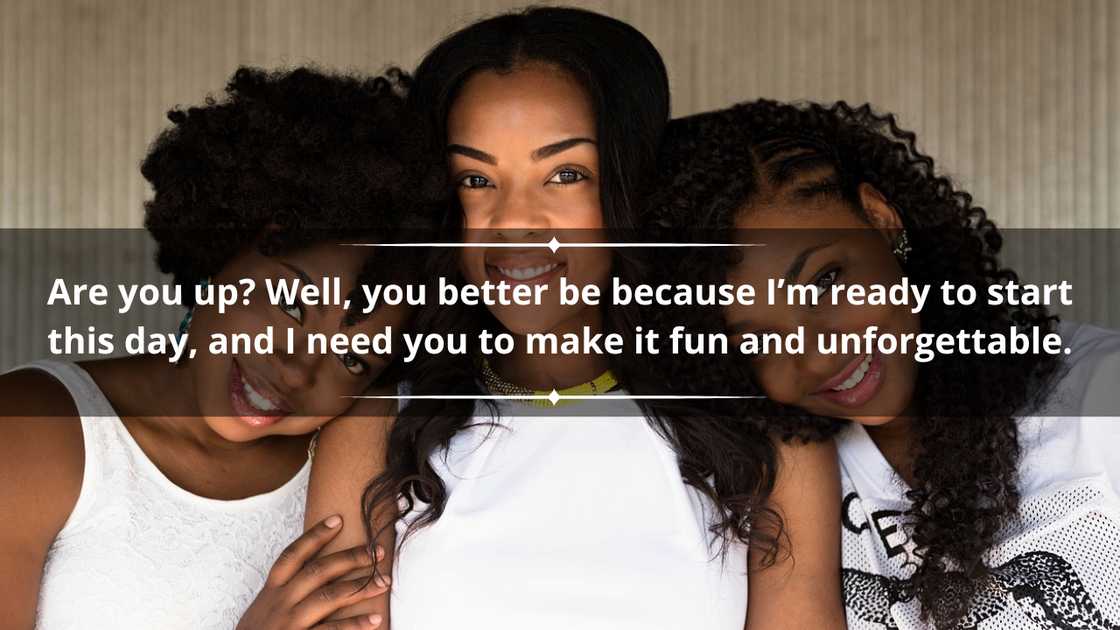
x=601, y=384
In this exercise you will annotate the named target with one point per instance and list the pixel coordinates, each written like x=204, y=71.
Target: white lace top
x=139, y=552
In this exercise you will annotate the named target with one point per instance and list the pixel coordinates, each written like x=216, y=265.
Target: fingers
x=302, y=549
x=320, y=571
x=362, y=622
x=337, y=595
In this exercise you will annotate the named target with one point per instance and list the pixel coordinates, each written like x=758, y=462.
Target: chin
x=235, y=429
x=873, y=421
x=877, y=415
x=527, y=321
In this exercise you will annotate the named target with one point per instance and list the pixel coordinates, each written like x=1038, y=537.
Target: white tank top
x=139, y=552
x=566, y=522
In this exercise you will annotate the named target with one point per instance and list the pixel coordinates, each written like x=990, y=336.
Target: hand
x=302, y=590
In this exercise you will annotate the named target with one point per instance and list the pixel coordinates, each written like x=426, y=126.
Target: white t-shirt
x=562, y=522
x=1056, y=566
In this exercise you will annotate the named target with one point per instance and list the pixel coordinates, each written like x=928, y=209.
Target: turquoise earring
x=185, y=324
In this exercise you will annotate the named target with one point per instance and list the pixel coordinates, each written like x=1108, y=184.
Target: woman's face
x=522, y=151
x=289, y=392
x=820, y=240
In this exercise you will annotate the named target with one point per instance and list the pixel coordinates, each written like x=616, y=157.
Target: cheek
x=473, y=212
x=329, y=397
x=581, y=210
x=472, y=264
x=777, y=380
x=848, y=318
x=589, y=266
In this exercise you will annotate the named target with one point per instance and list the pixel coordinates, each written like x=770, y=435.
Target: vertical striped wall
x=1019, y=100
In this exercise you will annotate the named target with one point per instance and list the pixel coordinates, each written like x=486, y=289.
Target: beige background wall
x=1018, y=99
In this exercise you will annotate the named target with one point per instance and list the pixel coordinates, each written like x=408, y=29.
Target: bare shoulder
x=376, y=403
x=35, y=394
x=351, y=452
x=812, y=458
x=41, y=454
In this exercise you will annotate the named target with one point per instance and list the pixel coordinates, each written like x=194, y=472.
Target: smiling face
x=817, y=238
x=248, y=396
x=522, y=152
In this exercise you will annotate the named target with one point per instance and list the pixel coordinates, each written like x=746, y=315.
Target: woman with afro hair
x=977, y=489
x=142, y=493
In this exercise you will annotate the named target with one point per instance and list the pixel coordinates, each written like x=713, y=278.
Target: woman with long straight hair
x=599, y=513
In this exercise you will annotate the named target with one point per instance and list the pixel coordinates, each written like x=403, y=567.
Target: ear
x=879, y=212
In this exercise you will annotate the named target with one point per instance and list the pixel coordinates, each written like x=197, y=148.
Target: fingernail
x=380, y=552
x=374, y=620
x=382, y=580
x=333, y=521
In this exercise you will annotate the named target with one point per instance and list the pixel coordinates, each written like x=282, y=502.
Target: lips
x=253, y=401
x=856, y=384
x=529, y=267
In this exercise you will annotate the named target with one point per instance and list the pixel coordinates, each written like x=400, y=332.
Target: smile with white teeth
x=527, y=273
x=856, y=376
x=257, y=400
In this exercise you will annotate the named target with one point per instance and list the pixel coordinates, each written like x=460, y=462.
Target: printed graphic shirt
x=1055, y=565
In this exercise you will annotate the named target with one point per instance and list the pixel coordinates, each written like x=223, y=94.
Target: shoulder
x=42, y=456
x=36, y=394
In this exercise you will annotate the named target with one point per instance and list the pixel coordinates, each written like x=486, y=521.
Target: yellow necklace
x=602, y=384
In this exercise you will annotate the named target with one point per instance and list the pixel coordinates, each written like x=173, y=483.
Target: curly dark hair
x=626, y=80
x=965, y=444
x=286, y=160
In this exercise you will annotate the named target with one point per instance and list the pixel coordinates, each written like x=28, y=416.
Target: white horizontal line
x=561, y=397
x=553, y=247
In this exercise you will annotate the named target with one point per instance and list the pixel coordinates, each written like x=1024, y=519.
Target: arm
x=350, y=452
x=801, y=589
x=41, y=465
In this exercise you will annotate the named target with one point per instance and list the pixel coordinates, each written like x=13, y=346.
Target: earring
x=185, y=325
x=902, y=247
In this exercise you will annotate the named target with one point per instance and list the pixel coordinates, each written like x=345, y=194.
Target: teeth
x=525, y=273
x=258, y=401
x=856, y=376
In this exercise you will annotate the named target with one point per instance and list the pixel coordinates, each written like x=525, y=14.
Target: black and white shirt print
x=1056, y=567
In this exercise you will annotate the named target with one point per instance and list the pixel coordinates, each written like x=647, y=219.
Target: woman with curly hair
x=977, y=492
x=598, y=513
x=141, y=493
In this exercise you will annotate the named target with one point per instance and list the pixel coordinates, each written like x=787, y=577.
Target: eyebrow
x=798, y=263
x=471, y=152
x=550, y=150
x=546, y=151
x=306, y=279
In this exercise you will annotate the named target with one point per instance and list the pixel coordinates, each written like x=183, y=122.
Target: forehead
x=327, y=259
x=786, y=226
x=795, y=208
x=535, y=99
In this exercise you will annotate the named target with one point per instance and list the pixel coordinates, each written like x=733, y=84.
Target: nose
x=297, y=368
x=519, y=216
x=814, y=366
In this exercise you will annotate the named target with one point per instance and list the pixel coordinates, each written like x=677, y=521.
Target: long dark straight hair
x=626, y=81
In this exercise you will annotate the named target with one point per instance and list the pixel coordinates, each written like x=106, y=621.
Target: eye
x=824, y=283
x=293, y=310
x=475, y=181
x=353, y=364
x=566, y=176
